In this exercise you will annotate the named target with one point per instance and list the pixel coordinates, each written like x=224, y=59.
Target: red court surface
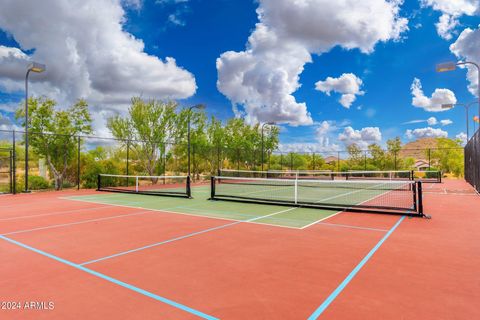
x=95, y=261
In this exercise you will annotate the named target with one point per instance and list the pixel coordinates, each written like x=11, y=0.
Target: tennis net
x=403, y=197
x=278, y=174
x=379, y=175
x=178, y=186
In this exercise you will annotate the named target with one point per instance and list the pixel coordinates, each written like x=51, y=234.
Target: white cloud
x=362, y=137
x=428, y=132
x=463, y=137
x=432, y=121
x=434, y=103
x=88, y=54
x=264, y=77
x=451, y=10
x=446, y=122
x=348, y=85
x=466, y=48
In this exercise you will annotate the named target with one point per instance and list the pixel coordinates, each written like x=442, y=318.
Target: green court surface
x=282, y=216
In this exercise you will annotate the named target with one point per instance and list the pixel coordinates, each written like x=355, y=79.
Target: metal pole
x=338, y=161
x=188, y=148
x=14, y=164
x=429, y=165
x=26, y=130
x=365, y=160
x=395, y=159
x=466, y=111
x=78, y=163
x=262, y=144
x=128, y=155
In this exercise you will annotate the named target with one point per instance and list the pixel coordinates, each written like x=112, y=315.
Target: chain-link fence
x=6, y=170
x=63, y=161
x=472, y=161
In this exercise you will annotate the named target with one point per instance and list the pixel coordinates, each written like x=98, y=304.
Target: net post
x=212, y=187
x=136, y=184
x=98, y=182
x=440, y=176
x=189, y=188
x=420, y=198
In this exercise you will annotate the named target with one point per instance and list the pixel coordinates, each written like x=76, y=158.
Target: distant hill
x=416, y=149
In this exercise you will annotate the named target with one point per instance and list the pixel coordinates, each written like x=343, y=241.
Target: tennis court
x=97, y=254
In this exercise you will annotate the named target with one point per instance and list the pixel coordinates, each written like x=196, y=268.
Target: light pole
x=38, y=68
x=465, y=105
x=452, y=65
x=199, y=107
x=263, y=125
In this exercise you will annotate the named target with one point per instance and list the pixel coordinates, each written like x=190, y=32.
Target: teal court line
x=326, y=303
x=113, y=280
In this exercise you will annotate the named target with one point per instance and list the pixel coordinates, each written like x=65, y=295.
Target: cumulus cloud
x=324, y=136
x=428, y=132
x=263, y=78
x=462, y=136
x=451, y=11
x=88, y=54
x=348, y=85
x=466, y=48
x=432, y=121
x=362, y=137
x=433, y=103
x=446, y=122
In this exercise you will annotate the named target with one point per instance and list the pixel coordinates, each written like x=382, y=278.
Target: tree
x=52, y=132
x=393, y=148
x=377, y=156
x=150, y=124
x=355, y=155
x=449, y=156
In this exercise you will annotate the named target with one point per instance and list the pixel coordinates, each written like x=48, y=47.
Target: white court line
x=74, y=223
x=166, y=210
x=52, y=214
x=181, y=237
x=325, y=218
x=350, y=226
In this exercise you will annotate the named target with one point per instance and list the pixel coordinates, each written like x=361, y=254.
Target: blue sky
x=119, y=49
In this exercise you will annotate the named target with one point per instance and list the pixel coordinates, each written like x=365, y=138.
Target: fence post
x=238, y=161
x=313, y=160
x=14, y=168
x=365, y=160
x=429, y=165
x=128, y=154
x=338, y=161
x=395, y=160
x=78, y=162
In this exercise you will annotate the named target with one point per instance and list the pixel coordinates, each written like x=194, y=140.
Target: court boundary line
x=318, y=221
x=190, y=214
x=351, y=226
x=112, y=280
x=189, y=235
x=75, y=223
x=52, y=214
x=326, y=303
